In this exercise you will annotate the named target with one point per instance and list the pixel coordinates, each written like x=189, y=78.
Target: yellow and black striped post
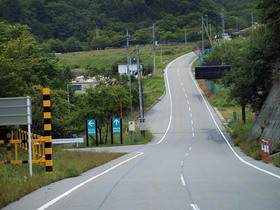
x=47, y=129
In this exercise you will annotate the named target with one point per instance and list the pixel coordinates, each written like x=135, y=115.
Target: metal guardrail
x=68, y=141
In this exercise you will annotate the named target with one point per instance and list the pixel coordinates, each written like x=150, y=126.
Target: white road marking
x=182, y=179
x=193, y=134
x=191, y=122
x=194, y=206
x=188, y=102
x=191, y=115
x=170, y=98
x=241, y=159
x=181, y=83
x=85, y=182
x=184, y=89
x=192, y=129
x=190, y=108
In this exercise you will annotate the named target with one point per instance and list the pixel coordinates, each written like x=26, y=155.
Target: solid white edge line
x=247, y=163
x=85, y=182
x=170, y=97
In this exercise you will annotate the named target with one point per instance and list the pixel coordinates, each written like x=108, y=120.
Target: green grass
x=276, y=161
x=137, y=138
x=153, y=88
x=240, y=138
x=15, y=180
x=99, y=59
x=106, y=58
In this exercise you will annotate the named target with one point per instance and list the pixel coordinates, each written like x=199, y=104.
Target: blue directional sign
x=116, y=122
x=91, y=127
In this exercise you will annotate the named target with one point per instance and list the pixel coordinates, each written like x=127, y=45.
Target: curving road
x=190, y=164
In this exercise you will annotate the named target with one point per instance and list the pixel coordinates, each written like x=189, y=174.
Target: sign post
x=91, y=129
x=116, y=128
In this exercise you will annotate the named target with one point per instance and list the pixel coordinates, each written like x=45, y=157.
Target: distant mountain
x=61, y=19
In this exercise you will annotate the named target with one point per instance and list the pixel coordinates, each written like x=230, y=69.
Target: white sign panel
x=122, y=68
x=15, y=111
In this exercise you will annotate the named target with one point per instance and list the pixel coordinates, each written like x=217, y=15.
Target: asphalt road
x=190, y=164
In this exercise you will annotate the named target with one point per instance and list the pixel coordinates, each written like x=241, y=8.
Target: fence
x=19, y=140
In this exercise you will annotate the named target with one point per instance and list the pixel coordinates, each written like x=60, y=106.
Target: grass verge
x=16, y=182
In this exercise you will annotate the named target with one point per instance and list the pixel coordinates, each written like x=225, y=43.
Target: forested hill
x=62, y=19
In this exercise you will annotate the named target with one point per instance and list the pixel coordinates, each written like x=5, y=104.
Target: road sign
x=116, y=122
x=91, y=127
x=211, y=72
x=15, y=111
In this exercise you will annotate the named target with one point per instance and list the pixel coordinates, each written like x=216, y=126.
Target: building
x=80, y=84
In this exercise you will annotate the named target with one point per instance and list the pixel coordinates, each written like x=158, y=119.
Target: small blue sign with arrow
x=116, y=122
x=91, y=127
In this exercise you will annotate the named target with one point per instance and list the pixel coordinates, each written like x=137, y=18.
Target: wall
x=267, y=125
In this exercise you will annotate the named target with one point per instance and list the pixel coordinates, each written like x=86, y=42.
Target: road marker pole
x=267, y=150
x=47, y=129
x=262, y=149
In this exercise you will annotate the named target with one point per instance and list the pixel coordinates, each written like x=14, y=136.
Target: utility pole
x=186, y=38
x=139, y=70
x=154, y=49
x=252, y=21
x=206, y=23
x=223, y=23
x=210, y=32
x=202, y=36
x=97, y=32
x=161, y=53
x=129, y=76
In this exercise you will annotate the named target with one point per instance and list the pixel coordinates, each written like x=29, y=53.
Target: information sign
x=91, y=127
x=116, y=122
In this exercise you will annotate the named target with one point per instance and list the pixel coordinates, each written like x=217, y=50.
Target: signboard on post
x=116, y=122
x=116, y=128
x=211, y=72
x=91, y=127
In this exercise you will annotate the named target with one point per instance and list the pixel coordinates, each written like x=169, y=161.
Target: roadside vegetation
x=249, y=81
x=15, y=180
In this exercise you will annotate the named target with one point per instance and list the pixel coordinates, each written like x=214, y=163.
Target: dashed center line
x=182, y=179
x=194, y=206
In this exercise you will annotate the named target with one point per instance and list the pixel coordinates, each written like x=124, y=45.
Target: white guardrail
x=68, y=141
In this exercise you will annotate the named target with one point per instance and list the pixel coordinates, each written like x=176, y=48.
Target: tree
x=249, y=79
x=72, y=45
x=269, y=14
